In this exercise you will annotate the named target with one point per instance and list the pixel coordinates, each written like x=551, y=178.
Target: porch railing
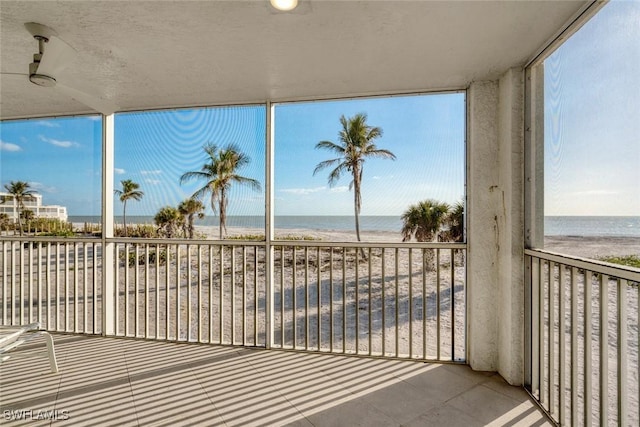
x=387, y=300
x=582, y=339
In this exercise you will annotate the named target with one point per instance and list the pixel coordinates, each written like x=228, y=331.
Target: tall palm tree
x=423, y=220
x=356, y=144
x=21, y=191
x=129, y=191
x=219, y=172
x=189, y=209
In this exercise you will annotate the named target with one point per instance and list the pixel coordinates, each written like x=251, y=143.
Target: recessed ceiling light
x=285, y=5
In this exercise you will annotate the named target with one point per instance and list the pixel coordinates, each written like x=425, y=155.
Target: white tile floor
x=118, y=382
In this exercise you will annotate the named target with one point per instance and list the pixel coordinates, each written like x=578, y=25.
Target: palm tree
x=356, y=144
x=219, y=173
x=454, y=220
x=168, y=219
x=129, y=191
x=189, y=209
x=21, y=191
x=423, y=220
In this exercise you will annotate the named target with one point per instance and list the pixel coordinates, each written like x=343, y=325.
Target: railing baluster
x=146, y=290
x=85, y=286
x=244, y=295
x=357, y=299
x=551, y=335
x=211, y=305
x=588, y=368
x=331, y=299
x=178, y=286
x=136, y=285
x=306, y=298
x=199, y=308
x=221, y=304
x=574, y=345
x=424, y=305
x=410, y=308
x=397, y=297
x=319, y=298
x=562, y=343
x=344, y=300
x=158, y=252
x=621, y=321
x=452, y=305
x=604, y=350
x=369, y=303
x=189, y=296
x=295, y=305
x=384, y=302
x=282, y=299
x=438, y=325
x=58, y=287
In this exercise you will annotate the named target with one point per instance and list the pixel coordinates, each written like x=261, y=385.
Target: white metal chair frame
x=12, y=337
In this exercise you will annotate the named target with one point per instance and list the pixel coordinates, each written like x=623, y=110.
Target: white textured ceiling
x=157, y=54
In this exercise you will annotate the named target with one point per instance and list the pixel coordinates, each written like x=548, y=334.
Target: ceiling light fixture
x=284, y=5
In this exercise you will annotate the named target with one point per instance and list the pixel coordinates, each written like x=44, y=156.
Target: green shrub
x=628, y=260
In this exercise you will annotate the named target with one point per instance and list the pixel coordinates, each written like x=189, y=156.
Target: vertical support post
x=108, y=260
x=269, y=170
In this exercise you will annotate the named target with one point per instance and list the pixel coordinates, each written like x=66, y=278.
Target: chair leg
x=52, y=353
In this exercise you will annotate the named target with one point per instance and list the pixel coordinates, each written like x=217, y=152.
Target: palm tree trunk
x=18, y=211
x=356, y=195
x=124, y=217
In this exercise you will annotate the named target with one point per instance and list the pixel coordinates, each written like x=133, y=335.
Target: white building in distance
x=9, y=206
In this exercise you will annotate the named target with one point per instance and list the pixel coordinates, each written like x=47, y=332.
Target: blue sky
x=592, y=160
x=592, y=117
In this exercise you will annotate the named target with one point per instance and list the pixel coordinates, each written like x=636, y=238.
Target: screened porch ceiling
x=152, y=54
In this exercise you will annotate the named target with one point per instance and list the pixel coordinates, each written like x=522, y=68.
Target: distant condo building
x=33, y=203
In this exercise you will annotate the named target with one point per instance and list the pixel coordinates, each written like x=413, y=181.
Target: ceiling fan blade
x=95, y=102
x=56, y=57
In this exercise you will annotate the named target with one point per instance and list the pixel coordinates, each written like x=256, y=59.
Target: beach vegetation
x=5, y=222
x=219, y=173
x=143, y=258
x=190, y=209
x=141, y=231
x=628, y=260
x=356, y=143
x=168, y=220
x=454, y=224
x=423, y=220
x=130, y=190
x=20, y=191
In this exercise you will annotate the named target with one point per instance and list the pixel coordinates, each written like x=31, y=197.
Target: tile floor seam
x=133, y=398
x=204, y=389
x=248, y=361
x=60, y=374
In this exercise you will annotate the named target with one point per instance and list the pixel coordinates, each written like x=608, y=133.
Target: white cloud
x=152, y=172
x=7, y=146
x=595, y=193
x=302, y=191
x=40, y=187
x=118, y=171
x=59, y=143
x=340, y=189
x=377, y=177
x=48, y=124
x=152, y=181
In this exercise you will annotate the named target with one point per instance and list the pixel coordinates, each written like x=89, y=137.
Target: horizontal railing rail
x=399, y=300
x=583, y=339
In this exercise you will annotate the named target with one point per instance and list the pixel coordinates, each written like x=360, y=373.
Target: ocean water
x=606, y=226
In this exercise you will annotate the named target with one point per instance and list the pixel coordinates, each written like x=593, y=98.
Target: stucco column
x=483, y=206
x=495, y=304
